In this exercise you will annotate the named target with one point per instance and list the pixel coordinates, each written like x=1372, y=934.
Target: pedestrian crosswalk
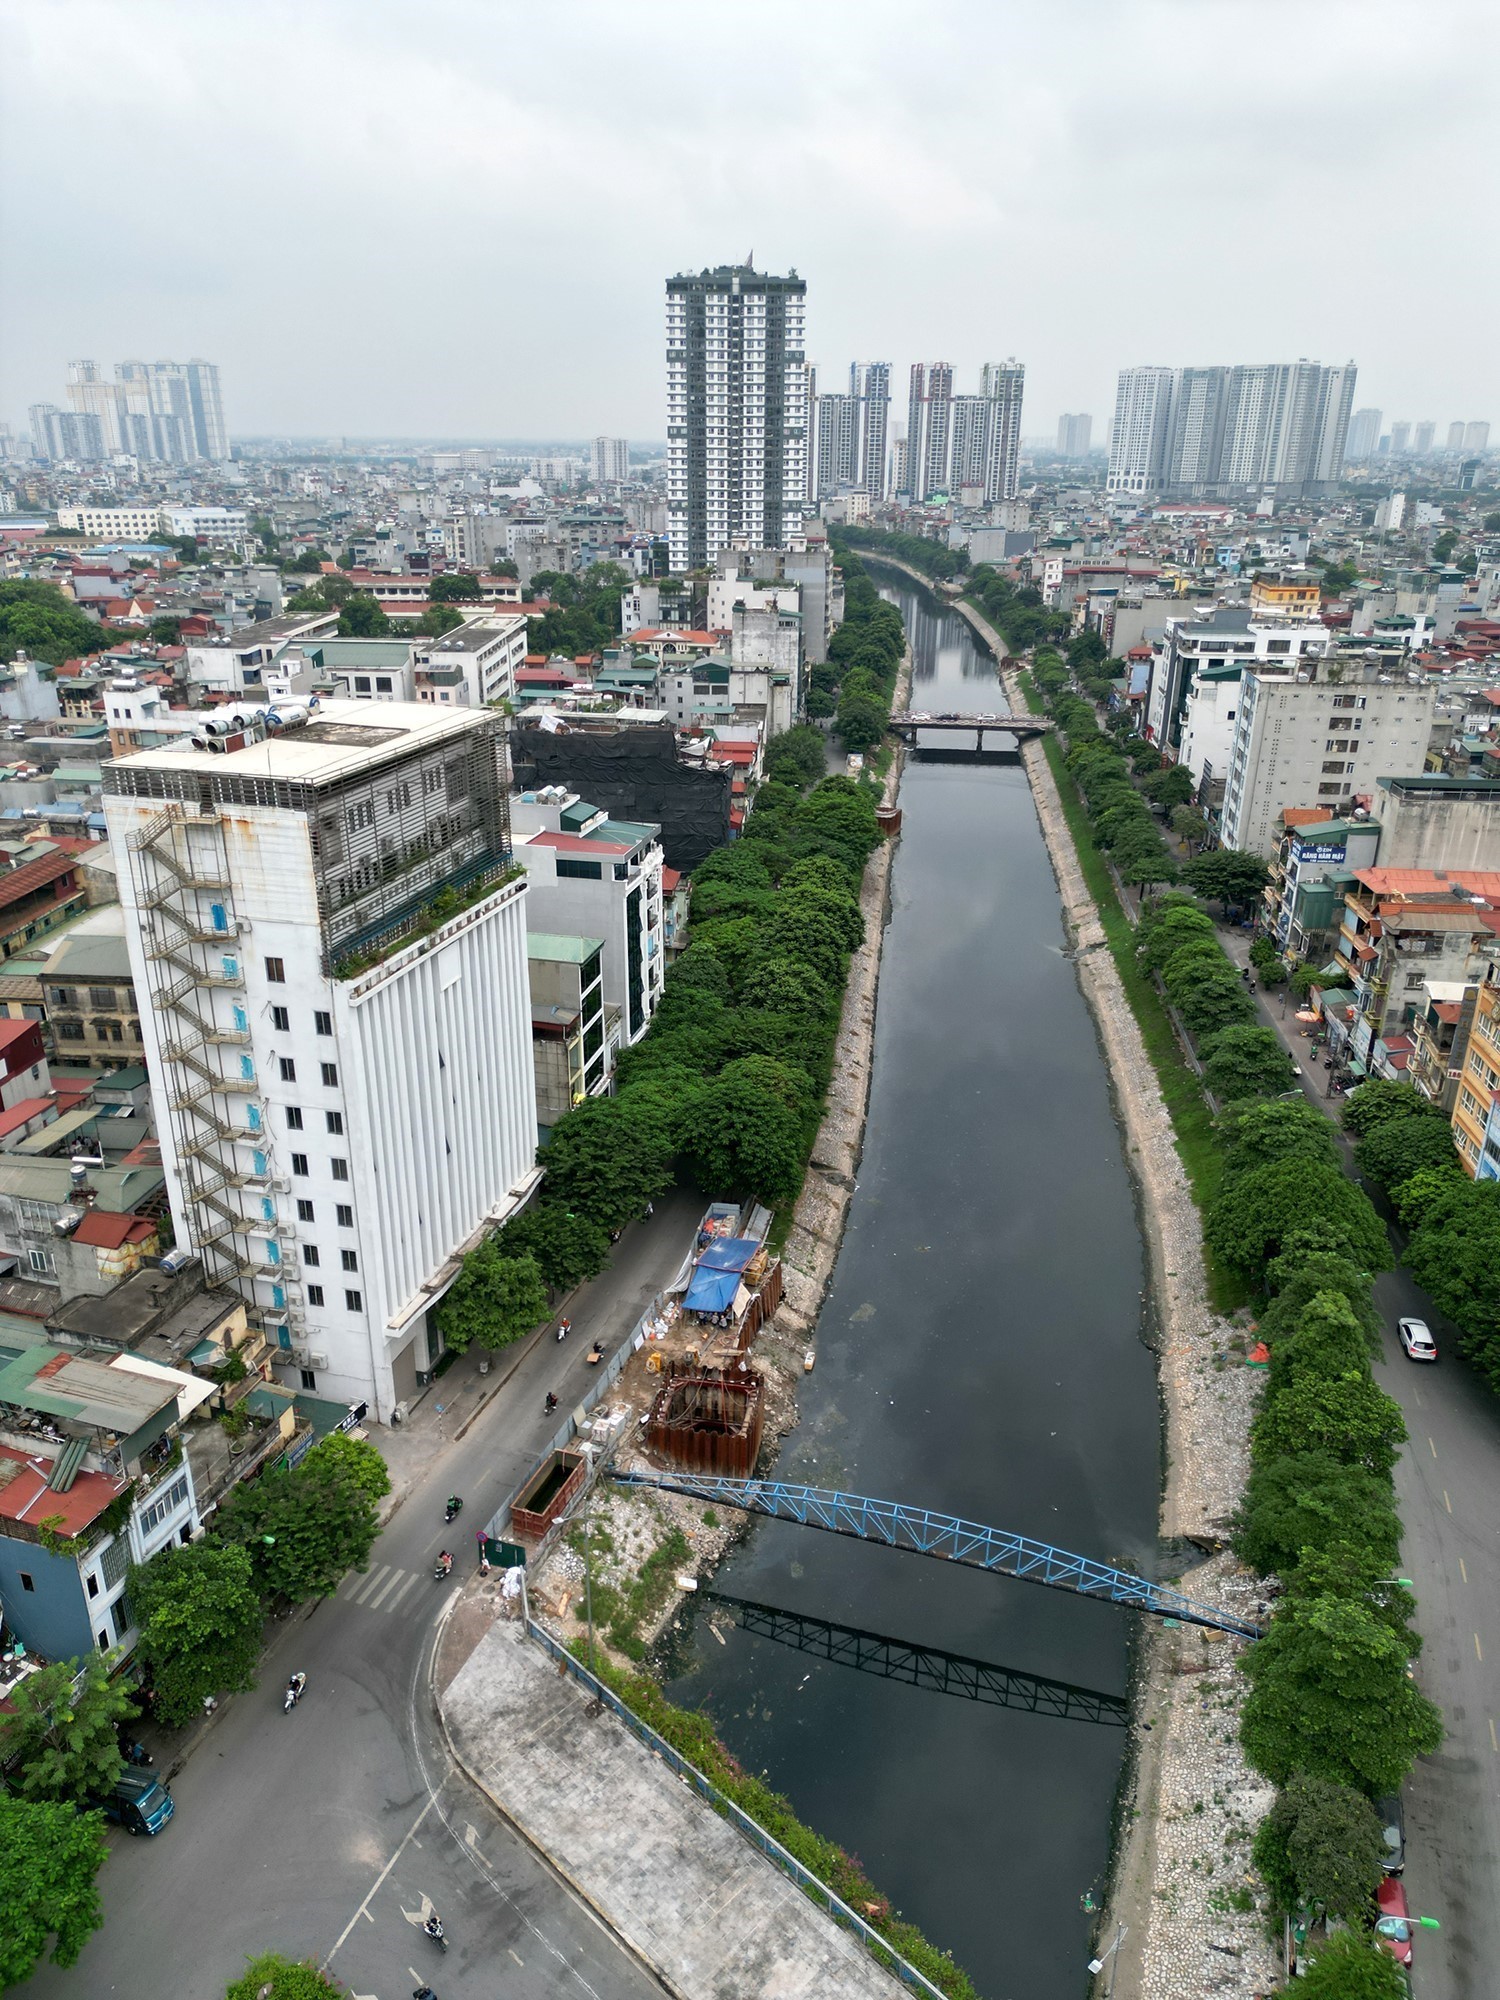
x=378, y=1589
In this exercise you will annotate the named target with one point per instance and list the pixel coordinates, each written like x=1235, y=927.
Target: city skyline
x=849, y=158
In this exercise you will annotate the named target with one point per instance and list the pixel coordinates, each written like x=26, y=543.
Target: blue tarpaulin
x=717, y=1276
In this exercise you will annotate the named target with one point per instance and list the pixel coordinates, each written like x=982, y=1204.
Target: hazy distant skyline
x=458, y=220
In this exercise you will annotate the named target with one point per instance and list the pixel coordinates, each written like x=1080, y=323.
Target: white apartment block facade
x=1221, y=428
x=737, y=412
x=1309, y=739
x=112, y=524
x=474, y=665
x=609, y=461
x=329, y=944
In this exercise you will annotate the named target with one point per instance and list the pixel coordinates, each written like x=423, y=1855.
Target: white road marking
x=516, y=1956
x=1463, y=1572
x=402, y=1592
x=371, y=1582
x=1494, y=1742
x=1478, y=1650
x=1432, y=1447
x=394, y=1578
x=379, y=1880
x=1446, y=1501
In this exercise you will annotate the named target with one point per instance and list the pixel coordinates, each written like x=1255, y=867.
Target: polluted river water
x=981, y=1353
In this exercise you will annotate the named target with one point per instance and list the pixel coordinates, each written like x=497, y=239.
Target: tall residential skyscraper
x=838, y=443
x=1456, y=436
x=1274, y=424
x=1002, y=384
x=737, y=414
x=871, y=382
x=1400, y=439
x=162, y=412
x=916, y=432
x=1476, y=437
x=971, y=442
x=59, y=434
x=1074, y=435
x=341, y=1068
x=938, y=438
x=609, y=461
x=1364, y=435
x=1421, y=438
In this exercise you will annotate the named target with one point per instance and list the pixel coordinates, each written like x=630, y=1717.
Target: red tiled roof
x=1304, y=815
x=735, y=753
x=670, y=878
x=22, y=1114
x=12, y=1031
x=575, y=843
x=27, y=1497
x=108, y=1232
x=26, y=880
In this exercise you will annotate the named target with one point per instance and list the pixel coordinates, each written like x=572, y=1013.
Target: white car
x=1416, y=1339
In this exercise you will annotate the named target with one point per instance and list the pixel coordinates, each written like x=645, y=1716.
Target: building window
x=281, y=1020
x=309, y=1253
x=581, y=871
x=340, y=1169
x=288, y=1069
x=315, y=1295
x=299, y=1163
x=350, y=1260
x=330, y=1075
x=354, y=1301
x=309, y=1380
x=42, y=1262
x=27, y=1581
x=335, y=1123
x=294, y=1118
x=304, y=1211
x=344, y=1215
x=276, y=971
x=323, y=1024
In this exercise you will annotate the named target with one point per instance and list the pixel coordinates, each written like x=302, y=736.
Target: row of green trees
x=727, y=1084
x=1016, y=612
x=934, y=559
x=282, y=1540
x=857, y=682
x=363, y=616
x=35, y=618
x=1453, y=1247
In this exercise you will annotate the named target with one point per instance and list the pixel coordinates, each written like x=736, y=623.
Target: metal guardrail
x=848, y=1919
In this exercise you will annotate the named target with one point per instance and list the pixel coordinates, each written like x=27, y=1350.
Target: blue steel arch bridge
x=945, y=1537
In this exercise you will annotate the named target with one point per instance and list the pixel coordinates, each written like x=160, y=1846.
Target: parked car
x=1393, y=1925
x=139, y=1803
x=1416, y=1339
x=1393, y=1832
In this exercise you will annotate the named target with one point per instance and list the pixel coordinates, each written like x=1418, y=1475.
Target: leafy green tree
x=1443, y=547
x=37, y=619
x=1454, y=1255
x=568, y=1249
x=1330, y=1695
x=1402, y=1147
x=1304, y=979
x=1321, y=1845
x=272, y=1977
x=64, y=1742
x=1257, y=1131
x=813, y=928
x=606, y=1165
x=433, y=623
x=201, y=1619
x=363, y=617
x=1254, y=1212
x=1381, y=1102
x=454, y=587
x=1346, y=1416
x=1166, y=929
x=166, y=631
x=263, y=526
x=745, y=1131
x=1310, y=1500
x=307, y=563
x=494, y=1300
x=860, y=722
x=786, y=987
x=1227, y=875
x=303, y=1530
x=50, y=1857
x=797, y=756
x=1171, y=787
x=1212, y=1003
x=1299, y=1275
x=356, y=1460
x=1326, y=1342
x=1246, y=1062
x=1348, y=1966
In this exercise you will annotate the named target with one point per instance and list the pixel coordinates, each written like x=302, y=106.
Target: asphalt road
x=1448, y=1490
x=330, y=1833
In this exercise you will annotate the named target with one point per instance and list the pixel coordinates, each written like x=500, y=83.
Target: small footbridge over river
x=909, y=724
x=947, y=1538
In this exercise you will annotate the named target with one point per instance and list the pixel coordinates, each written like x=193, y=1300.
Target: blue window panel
x=267, y=1209
x=241, y=1020
x=273, y=1251
x=252, y=1117
x=278, y=1297
x=260, y=1162
x=220, y=916
x=231, y=967
x=247, y=1068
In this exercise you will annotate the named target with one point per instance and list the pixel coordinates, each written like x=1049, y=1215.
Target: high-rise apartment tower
x=1363, y=436
x=737, y=414
x=609, y=461
x=1074, y=435
x=1223, y=428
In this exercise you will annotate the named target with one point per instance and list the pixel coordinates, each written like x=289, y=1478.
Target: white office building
x=1319, y=737
x=112, y=524
x=609, y=461
x=207, y=524
x=475, y=664
x=329, y=946
x=737, y=412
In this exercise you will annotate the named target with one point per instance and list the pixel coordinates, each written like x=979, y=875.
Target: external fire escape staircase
x=180, y=866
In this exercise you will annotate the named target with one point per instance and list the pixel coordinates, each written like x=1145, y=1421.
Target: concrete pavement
x=321, y=1833
x=1448, y=1489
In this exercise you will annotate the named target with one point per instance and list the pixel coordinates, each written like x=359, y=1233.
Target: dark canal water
x=980, y=1353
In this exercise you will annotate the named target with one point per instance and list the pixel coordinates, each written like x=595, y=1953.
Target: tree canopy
x=64, y=1741
x=35, y=618
x=1254, y=1212
x=1348, y=1417
x=494, y=1300
x=1308, y=1500
x=1401, y=1147
x=1321, y=1846
x=200, y=1618
x=1380, y=1102
x=1227, y=875
x=1348, y=1966
x=303, y=1530
x=1246, y=1061
x=272, y=1977
x=50, y=1857
x=566, y=1248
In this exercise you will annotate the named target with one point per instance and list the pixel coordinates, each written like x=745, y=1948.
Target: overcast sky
x=454, y=218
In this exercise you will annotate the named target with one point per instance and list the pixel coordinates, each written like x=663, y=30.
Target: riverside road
x=330, y=1832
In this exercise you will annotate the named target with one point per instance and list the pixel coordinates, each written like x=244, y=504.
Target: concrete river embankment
x=980, y=1352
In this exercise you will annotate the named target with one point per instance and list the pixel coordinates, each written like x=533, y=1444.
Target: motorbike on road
x=293, y=1693
x=443, y=1568
x=434, y=1929
x=455, y=1507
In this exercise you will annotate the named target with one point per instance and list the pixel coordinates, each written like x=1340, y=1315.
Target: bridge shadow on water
x=924, y=755
x=924, y=1666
